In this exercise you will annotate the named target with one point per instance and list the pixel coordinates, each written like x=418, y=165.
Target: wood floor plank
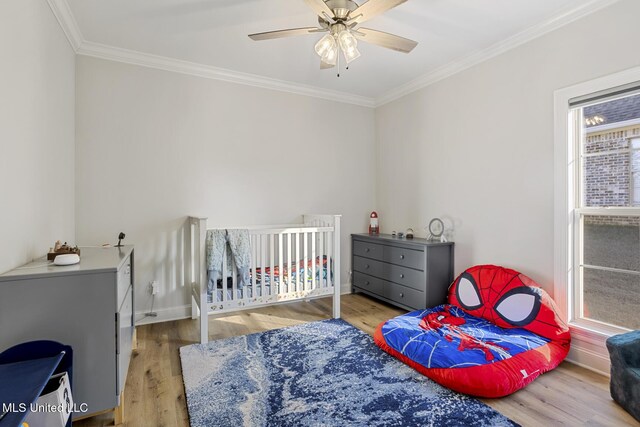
x=569, y=395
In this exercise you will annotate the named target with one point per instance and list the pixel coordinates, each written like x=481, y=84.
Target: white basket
x=52, y=409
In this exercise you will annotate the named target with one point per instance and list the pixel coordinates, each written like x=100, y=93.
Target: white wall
x=478, y=147
x=37, y=87
x=154, y=147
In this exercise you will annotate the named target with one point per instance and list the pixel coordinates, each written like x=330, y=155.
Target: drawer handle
x=367, y=266
x=401, y=256
x=402, y=276
x=401, y=295
x=366, y=283
x=367, y=250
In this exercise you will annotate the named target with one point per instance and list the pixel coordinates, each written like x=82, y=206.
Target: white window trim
x=588, y=346
x=632, y=170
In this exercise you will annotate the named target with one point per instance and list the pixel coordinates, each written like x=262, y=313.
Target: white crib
x=287, y=264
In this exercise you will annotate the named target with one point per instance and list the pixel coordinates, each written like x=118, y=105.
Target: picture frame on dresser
x=409, y=273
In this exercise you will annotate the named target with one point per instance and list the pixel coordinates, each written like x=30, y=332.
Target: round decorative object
x=436, y=229
x=67, y=259
x=409, y=233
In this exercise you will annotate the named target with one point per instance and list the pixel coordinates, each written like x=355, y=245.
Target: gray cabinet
x=88, y=306
x=410, y=273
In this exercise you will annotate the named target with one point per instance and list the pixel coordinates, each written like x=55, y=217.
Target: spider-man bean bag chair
x=498, y=333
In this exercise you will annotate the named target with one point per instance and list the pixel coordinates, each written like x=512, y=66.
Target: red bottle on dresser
x=374, y=228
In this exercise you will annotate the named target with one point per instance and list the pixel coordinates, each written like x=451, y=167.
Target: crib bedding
x=306, y=273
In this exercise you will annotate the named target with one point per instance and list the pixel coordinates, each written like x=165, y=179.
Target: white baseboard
x=184, y=311
x=345, y=288
x=164, y=315
x=597, y=361
x=589, y=359
x=589, y=350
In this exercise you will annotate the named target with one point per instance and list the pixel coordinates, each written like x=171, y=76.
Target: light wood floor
x=154, y=396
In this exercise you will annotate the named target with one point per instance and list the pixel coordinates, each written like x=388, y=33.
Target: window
x=635, y=172
x=605, y=219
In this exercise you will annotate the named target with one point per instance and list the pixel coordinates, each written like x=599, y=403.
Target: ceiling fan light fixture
x=348, y=45
x=342, y=20
x=331, y=56
x=325, y=45
x=351, y=55
x=327, y=49
x=347, y=40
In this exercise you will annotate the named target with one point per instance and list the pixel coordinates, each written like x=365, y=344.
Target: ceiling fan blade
x=321, y=9
x=285, y=33
x=371, y=9
x=325, y=66
x=380, y=38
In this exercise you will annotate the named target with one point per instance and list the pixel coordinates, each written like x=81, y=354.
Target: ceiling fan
x=340, y=18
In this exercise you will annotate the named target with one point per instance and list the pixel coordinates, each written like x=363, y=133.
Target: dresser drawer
x=411, y=273
x=369, y=283
x=412, y=258
x=404, y=295
x=406, y=257
x=124, y=281
x=368, y=250
x=368, y=266
x=124, y=338
x=391, y=272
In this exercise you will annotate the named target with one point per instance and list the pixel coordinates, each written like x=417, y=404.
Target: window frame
x=568, y=212
x=633, y=187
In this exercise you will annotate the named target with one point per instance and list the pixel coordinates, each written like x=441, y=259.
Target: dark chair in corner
x=38, y=349
x=624, y=351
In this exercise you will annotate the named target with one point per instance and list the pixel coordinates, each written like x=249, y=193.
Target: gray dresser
x=409, y=273
x=88, y=306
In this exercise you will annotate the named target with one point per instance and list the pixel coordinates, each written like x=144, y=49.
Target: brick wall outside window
x=608, y=178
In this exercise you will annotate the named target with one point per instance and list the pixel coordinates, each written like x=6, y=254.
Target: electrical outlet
x=154, y=287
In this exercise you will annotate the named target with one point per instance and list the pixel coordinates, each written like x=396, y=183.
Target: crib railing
x=280, y=262
x=281, y=257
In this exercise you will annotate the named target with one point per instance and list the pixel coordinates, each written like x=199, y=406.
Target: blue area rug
x=324, y=373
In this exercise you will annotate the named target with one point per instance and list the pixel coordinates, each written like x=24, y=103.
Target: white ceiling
x=214, y=33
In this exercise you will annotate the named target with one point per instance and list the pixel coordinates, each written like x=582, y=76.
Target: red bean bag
x=499, y=332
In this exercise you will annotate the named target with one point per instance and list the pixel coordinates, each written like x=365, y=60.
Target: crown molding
x=461, y=64
x=64, y=15
x=67, y=21
x=127, y=56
